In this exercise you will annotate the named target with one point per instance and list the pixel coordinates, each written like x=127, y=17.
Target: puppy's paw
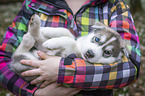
x=35, y=20
x=34, y=25
x=28, y=40
x=51, y=44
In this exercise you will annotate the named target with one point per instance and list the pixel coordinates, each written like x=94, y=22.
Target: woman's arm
x=78, y=73
x=10, y=42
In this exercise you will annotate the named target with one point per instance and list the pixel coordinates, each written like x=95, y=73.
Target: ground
x=8, y=12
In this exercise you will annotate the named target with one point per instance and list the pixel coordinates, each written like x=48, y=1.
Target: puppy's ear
x=98, y=26
x=126, y=50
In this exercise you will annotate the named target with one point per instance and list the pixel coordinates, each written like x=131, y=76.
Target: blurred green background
x=10, y=8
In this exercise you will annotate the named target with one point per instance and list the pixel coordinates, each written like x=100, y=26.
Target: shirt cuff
x=67, y=69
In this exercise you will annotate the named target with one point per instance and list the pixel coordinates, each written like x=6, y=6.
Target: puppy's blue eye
x=97, y=39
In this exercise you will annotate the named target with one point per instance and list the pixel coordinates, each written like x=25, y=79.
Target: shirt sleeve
x=75, y=72
x=11, y=40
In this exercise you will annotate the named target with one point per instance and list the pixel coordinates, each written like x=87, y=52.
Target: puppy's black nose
x=90, y=54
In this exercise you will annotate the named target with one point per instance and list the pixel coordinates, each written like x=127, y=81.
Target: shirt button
x=32, y=4
x=20, y=17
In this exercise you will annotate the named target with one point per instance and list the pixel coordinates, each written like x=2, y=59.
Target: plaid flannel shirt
x=73, y=71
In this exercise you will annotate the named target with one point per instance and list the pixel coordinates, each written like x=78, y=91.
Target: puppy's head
x=102, y=45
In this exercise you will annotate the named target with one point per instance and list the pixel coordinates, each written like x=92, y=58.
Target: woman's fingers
x=37, y=80
x=32, y=72
x=69, y=91
x=54, y=89
x=45, y=83
x=73, y=92
x=32, y=63
x=42, y=55
x=40, y=79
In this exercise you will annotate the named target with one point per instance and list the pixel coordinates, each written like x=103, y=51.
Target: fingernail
x=39, y=52
x=42, y=86
x=22, y=74
x=22, y=61
x=31, y=82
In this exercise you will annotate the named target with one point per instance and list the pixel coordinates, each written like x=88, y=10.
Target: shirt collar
x=97, y=2
x=62, y=3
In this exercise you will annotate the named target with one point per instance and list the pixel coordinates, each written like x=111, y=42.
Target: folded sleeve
x=10, y=42
x=75, y=72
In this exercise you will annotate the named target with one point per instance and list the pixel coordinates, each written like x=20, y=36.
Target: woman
x=71, y=71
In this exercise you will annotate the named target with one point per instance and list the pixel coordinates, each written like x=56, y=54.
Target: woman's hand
x=46, y=68
x=56, y=90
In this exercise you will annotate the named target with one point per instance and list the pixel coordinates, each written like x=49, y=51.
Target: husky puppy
x=102, y=45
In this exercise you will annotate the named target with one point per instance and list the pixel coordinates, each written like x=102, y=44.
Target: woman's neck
x=75, y=4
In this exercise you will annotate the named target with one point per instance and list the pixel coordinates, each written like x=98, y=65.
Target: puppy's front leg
x=51, y=32
x=66, y=45
x=34, y=29
x=26, y=44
